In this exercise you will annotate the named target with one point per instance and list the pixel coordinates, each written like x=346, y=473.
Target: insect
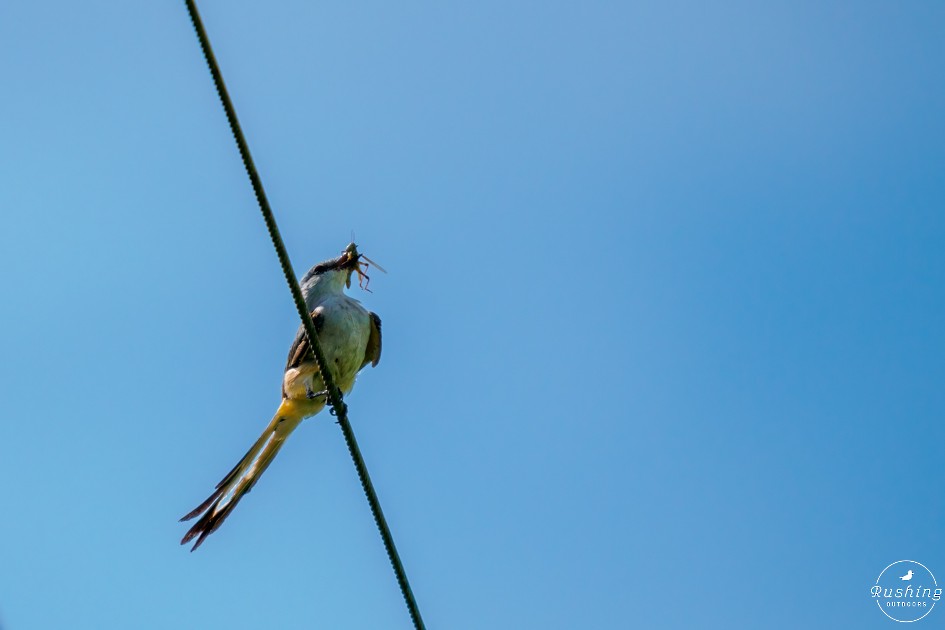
x=363, y=279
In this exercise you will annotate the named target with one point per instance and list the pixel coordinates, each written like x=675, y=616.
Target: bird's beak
x=349, y=260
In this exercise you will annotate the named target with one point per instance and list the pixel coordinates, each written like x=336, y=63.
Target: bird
x=907, y=576
x=349, y=336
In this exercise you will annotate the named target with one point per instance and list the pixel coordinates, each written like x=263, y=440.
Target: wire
x=339, y=408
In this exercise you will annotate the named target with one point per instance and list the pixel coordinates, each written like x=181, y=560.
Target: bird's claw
x=334, y=411
x=313, y=395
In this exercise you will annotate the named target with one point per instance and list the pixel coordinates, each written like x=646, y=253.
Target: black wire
x=334, y=395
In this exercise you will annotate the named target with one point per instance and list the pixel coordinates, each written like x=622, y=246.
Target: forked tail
x=244, y=475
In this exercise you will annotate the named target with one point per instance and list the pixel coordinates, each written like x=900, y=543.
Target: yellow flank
x=289, y=409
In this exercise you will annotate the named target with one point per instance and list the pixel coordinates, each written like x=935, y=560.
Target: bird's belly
x=343, y=339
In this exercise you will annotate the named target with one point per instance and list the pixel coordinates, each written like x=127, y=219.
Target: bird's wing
x=372, y=353
x=300, y=350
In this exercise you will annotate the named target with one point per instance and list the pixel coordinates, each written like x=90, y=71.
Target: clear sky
x=663, y=328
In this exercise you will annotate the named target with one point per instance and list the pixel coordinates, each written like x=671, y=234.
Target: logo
x=906, y=591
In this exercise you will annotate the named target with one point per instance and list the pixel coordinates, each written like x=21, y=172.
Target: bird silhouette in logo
x=907, y=576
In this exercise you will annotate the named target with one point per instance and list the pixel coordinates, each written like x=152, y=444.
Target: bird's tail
x=244, y=475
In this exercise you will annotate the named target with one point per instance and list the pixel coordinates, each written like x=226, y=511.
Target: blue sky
x=663, y=328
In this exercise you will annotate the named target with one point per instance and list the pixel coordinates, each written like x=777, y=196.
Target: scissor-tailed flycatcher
x=350, y=338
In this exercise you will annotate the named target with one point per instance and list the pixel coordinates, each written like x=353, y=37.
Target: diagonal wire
x=334, y=395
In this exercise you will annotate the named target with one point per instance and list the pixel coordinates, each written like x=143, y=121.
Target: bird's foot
x=343, y=406
x=313, y=395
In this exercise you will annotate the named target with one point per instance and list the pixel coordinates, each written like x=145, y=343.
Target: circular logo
x=906, y=591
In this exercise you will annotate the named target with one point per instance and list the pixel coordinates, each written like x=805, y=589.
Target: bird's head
x=332, y=276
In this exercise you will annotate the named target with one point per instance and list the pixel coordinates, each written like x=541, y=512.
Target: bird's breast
x=343, y=337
